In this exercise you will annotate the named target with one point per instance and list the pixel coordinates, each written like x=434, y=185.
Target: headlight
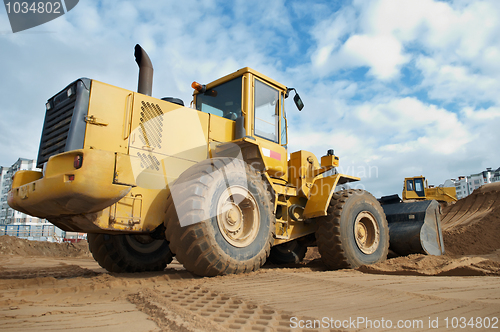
x=70, y=92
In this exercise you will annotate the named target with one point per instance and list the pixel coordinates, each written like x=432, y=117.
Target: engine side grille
x=64, y=125
x=151, y=124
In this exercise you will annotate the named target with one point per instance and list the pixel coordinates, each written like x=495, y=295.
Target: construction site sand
x=471, y=226
x=47, y=286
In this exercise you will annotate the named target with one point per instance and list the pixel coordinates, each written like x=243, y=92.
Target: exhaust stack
x=145, y=85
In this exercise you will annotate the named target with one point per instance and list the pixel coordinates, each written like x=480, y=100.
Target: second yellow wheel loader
x=417, y=189
x=212, y=184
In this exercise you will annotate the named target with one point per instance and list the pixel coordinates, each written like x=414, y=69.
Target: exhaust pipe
x=145, y=85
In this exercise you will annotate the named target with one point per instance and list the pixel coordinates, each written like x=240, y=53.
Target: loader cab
x=253, y=105
x=414, y=188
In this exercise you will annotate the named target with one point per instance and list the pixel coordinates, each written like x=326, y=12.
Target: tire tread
x=104, y=249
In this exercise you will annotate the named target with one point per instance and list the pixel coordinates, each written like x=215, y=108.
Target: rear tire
x=354, y=232
x=288, y=253
x=222, y=221
x=129, y=253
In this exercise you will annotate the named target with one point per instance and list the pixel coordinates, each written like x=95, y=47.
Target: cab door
x=268, y=127
x=419, y=187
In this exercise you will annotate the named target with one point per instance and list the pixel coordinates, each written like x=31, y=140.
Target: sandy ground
x=47, y=287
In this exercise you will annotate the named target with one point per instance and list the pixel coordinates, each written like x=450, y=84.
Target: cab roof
x=240, y=73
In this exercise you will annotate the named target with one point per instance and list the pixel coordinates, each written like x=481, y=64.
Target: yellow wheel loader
x=417, y=189
x=212, y=184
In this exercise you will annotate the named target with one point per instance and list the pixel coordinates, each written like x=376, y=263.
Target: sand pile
x=11, y=245
x=471, y=226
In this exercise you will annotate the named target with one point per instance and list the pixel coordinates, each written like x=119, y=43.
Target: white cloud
x=381, y=53
x=409, y=126
x=481, y=115
x=401, y=18
x=385, y=34
x=450, y=82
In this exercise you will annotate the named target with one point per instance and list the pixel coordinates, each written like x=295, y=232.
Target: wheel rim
x=238, y=216
x=366, y=232
x=143, y=244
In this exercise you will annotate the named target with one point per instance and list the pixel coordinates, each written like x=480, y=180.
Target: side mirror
x=296, y=98
x=298, y=101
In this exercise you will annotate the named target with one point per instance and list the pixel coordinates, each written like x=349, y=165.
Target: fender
x=321, y=193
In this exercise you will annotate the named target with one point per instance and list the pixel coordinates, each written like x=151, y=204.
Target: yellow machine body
x=417, y=189
x=135, y=145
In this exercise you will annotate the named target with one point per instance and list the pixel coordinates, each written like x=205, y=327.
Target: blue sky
x=396, y=87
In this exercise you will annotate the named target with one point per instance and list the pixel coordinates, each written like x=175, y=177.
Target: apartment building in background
x=465, y=185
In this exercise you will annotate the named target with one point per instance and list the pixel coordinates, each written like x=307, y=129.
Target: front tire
x=222, y=221
x=129, y=253
x=354, y=232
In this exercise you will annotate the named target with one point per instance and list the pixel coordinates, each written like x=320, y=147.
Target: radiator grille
x=55, y=129
x=64, y=124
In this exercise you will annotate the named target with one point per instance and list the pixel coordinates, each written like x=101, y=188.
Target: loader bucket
x=415, y=228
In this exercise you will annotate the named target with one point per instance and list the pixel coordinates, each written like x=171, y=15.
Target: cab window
x=223, y=100
x=266, y=111
x=409, y=185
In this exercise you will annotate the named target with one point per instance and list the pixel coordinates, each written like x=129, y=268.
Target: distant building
x=461, y=187
x=496, y=176
x=7, y=214
x=465, y=185
x=4, y=185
